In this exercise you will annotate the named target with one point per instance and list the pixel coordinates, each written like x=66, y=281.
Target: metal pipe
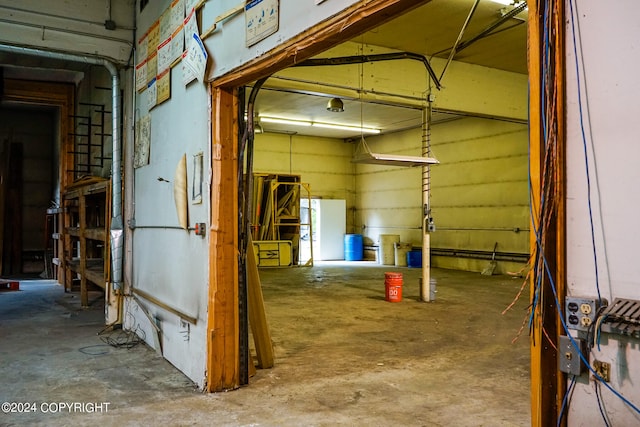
x=462, y=30
x=117, y=232
x=513, y=229
x=484, y=33
x=360, y=59
x=67, y=31
x=52, y=15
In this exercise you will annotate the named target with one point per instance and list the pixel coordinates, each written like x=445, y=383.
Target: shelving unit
x=53, y=248
x=86, y=235
x=277, y=213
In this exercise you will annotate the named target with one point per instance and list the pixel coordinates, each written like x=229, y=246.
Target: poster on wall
x=261, y=20
x=190, y=27
x=164, y=56
x=152, y=95
x=196, y=58
x=163, y=86
x=187, y=75
x=141, y=76
x=153, y=40
x=177, y=13
x=142, y=146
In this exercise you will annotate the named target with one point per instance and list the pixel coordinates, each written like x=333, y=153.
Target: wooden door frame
x=223, y=332
x=53, y=94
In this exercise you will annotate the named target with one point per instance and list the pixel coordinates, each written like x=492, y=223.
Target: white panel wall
x=610, y=89
x=170, y=263
x=478, y=191
x=75, y=26
x=228, y=45
x=323, y=163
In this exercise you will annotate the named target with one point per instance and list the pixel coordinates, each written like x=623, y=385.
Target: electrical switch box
x=569, y=360
x=581, y=312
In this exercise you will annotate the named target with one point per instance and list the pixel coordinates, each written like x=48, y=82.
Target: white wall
x=228, y=44
x=610, y=88
x=75, y=26
x=171, y=263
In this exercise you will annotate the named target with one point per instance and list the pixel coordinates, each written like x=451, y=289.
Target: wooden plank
x=223, y=333
x=257, y=313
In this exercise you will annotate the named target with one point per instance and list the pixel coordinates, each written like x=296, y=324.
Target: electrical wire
x=601, y=407
x=549, y=189
x=566, y=399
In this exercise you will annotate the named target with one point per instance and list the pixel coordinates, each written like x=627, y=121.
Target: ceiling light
x=336, y=105
x=345, y=127
x=284, y=121
x=336, y=126
x=508, y=2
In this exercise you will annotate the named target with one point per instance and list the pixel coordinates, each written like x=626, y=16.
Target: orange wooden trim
x=354, y=20
x=535, y=149
x=547, y=383
x=561, y=224
x=223, y=333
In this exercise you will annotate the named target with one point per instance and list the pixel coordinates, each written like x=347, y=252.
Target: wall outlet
x=603, y=369
x=580, y=312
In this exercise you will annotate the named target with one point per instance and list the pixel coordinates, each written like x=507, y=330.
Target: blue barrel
x=353, y=247
x=414, y=259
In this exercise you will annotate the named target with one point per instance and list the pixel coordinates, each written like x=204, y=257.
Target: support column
x=223, y=326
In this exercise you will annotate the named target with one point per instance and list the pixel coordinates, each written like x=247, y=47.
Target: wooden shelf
x=85, y=236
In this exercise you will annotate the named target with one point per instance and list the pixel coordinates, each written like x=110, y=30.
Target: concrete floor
x=345, y=356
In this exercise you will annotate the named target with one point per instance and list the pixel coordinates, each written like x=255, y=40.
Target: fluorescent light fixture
x=284, y=121
x=513, y=3
x=345, y=127
x=335, y=126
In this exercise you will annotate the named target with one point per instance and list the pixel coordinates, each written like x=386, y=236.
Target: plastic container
x=393, y=287
x=414, y=259
x=353, y=247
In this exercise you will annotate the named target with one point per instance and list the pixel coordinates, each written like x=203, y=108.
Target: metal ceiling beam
x=360, y=59
x=462, y=30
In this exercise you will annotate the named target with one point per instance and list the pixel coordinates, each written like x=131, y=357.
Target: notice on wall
x=190, y=27
x=163, y=86
x=177, y=13
x=152, y=94
x=187, y=75
x=164, y=56
x=142, y=144
x=141, y=76
x=152, y=66
x=196, y=58
x=177, y=44
x=261, y=20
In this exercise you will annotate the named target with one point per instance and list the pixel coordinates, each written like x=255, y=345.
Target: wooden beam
x=354, y=20
x=223, y=333
x=547, y=169
x=257, y=314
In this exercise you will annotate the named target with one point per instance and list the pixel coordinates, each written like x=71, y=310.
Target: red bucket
x=393, y=287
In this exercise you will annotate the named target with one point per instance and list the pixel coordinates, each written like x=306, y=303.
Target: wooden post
x=223, y=324
x=547, y=384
